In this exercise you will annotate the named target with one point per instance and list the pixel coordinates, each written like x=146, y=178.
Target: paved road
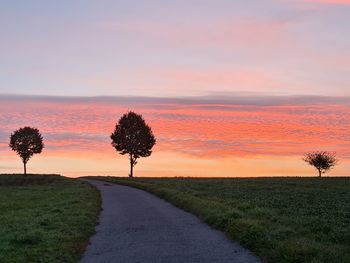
x=136, y=226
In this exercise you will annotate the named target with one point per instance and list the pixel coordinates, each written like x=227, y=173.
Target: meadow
x=279, y=219
x=45, y=218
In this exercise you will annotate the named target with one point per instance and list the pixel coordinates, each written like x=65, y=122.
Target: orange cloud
x=203, y=129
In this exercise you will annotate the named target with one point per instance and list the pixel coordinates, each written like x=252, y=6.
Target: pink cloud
x=199, y=129
x=242, y=79
x=335, y=2
x=241, y=32
x=195, y=129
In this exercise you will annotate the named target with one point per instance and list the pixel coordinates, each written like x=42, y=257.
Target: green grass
x=279, y=219
x=45, y=218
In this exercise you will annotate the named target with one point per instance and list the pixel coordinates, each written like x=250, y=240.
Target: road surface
x=136, y=226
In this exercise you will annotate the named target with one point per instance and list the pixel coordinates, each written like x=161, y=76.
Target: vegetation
x=45, y=218
x=280, y=219
x=26, y=142
x=322, y=161
x=134, y=137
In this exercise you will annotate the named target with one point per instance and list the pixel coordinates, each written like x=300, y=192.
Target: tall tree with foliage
x=134, y=137
x=322, y=161
x=26, y=142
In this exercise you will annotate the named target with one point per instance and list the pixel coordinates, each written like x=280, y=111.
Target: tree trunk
x=131, y=167
x=319, y=173
x=25, y=168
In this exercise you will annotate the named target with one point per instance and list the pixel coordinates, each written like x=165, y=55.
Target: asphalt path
x=136, y=226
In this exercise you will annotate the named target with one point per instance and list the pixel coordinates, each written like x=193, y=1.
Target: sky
x=231, y=88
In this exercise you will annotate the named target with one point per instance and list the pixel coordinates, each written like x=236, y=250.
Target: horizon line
x=229, y=99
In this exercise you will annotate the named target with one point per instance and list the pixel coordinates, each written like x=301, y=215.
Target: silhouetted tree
x=134, y=137
x=322, y=161
x=26, y=142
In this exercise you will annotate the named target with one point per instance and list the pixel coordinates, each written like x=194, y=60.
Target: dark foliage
x=26, y=142
x=134, y=137
x=322, y=161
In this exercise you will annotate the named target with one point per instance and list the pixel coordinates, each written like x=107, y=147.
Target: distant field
x=45, y=218
x=280, y=219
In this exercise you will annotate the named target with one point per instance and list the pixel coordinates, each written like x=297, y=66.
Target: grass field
x=280, y=219
x=45, y=218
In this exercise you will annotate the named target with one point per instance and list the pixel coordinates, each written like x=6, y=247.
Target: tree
x=322, y=161
x=26, y=142
x=134, y=137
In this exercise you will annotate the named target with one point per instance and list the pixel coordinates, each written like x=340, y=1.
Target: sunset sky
x=230, y=88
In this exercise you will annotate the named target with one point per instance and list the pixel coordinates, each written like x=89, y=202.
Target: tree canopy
x=322, y=161
x=134, y=137
x=26, y=142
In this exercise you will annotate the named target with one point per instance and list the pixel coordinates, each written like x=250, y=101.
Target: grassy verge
x=45, y=218
x=280, y=219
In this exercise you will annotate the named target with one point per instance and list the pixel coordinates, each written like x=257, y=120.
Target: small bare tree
x=322, y=161
x=26, y=142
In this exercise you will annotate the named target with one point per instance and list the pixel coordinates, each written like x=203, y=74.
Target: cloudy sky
x=238, y=136
x=175, y=48
x=230, y=88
